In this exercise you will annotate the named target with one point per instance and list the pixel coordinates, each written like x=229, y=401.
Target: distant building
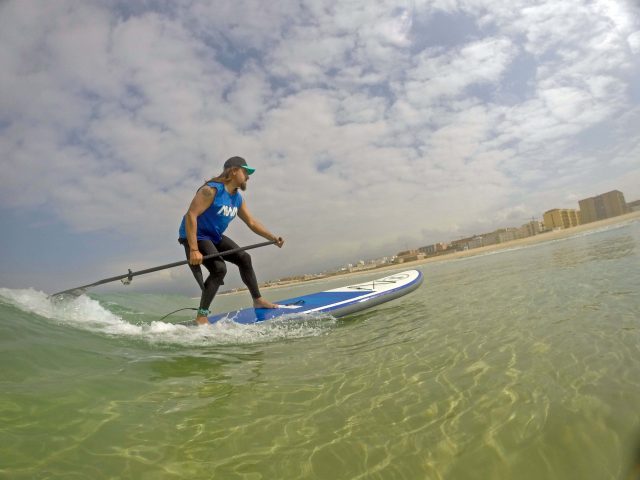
x=466, y=243
x=534, y=227
x=409, y=256
x=476, y=242
x=634, y=206
x=606, y=205
x=561, y=218
x=500, y=236
x=433, y=249
x=489, y=239
x=508, y=234
x=428, y=250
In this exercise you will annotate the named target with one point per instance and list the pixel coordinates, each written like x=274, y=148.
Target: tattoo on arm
x=203, y=199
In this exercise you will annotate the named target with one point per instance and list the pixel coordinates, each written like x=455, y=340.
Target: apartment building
x=561, y=218
x=610, y=204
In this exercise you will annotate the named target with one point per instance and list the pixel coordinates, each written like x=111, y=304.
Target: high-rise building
x=561, y=218
x=610, y=204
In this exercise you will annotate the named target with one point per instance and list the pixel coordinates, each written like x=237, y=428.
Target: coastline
x=521, y=242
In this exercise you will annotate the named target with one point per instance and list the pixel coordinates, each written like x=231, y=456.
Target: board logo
x=228, y=211
x=397, y=277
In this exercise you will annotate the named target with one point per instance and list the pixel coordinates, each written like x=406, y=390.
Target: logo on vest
x=228, y=211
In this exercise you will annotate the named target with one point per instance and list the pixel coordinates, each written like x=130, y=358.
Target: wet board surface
x=337, y=302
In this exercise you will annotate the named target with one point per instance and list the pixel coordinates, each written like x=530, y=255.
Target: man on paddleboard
x=213, y=207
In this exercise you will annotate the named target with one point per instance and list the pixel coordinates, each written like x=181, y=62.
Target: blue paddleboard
x=337, y=302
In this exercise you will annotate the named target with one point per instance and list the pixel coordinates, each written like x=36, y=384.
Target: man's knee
x=244, y=258
x=217, y=270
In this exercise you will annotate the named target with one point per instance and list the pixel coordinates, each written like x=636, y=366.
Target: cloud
x=634, y=42
x=433, y=77
x=368, y=125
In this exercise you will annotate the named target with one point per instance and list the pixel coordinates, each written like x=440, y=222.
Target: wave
x=89, y=314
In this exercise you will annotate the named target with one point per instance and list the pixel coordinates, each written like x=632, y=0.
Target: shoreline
x=540, y=238
x=521, y=242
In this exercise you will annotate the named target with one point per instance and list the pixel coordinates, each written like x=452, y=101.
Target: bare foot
x=202, y=320
x=262, y=303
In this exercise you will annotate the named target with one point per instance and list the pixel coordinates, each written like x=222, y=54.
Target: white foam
x=88, y=314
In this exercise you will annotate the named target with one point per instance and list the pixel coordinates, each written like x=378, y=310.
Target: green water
x=523, y=364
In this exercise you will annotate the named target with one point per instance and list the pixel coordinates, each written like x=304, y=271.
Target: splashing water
x=89, y=314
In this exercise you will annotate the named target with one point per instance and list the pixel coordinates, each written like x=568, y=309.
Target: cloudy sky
x=374, y=126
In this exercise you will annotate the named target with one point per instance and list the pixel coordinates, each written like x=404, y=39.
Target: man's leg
x=243, y=261
x=217, y=271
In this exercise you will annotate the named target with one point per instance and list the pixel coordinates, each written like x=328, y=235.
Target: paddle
x=127, y=277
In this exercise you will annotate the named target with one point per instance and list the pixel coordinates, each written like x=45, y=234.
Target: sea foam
x=86, y=313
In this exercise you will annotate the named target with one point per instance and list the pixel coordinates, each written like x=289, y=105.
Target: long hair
x=224, y=177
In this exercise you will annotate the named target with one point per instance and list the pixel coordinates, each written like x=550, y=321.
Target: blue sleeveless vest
x=215, y=219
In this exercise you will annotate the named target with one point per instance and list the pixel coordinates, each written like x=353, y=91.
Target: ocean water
x=522, y=364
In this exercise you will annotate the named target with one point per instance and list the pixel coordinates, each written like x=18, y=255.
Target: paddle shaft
x=131, y=274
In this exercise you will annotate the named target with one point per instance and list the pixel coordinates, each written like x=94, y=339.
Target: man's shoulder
x=210, y=187
x=206, y=191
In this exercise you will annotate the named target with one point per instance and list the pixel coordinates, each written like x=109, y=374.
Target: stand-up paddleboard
x=337, y=302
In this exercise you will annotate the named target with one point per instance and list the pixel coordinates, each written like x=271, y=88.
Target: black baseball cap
x=238, y=162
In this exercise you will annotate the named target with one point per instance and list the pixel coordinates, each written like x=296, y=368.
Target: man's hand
x=195, y=257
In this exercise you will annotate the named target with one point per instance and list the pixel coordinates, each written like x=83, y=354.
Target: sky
x=374, y=126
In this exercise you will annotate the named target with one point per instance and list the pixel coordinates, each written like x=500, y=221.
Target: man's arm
x=201, y=201
x=256, y=226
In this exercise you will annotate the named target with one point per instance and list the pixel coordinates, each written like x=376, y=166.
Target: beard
x=243, y=186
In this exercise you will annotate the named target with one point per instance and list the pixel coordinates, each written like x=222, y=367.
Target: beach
x=542, y=237
x=521, y=242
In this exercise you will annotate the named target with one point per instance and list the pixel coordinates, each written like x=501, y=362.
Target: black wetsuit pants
x=218, y=268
